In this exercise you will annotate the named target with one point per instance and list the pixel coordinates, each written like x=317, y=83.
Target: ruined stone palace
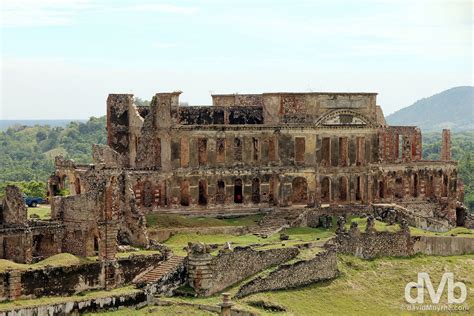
x=245, y=153
x=300, y=159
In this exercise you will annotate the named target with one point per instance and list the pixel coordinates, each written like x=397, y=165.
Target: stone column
x=199, y=268
x=226, y=305
x=446, y=145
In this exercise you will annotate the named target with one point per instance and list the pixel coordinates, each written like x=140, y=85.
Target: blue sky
x=60, y=58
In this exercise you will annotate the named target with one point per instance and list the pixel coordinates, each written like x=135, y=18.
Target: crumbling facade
x=24, y=240
x=247, y=152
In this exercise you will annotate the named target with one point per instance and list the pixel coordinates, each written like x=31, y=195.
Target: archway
x=415, y=185
x=256, y=191
x=381, y=189
x=202, y=200
x=325, y=190
x=399, y=188
x=444, y=188
x=343, y=184
x=220, y=195
x=238, y=197
x=358, y=191
x=184, y=192
x=300, y=191
x=460, y=216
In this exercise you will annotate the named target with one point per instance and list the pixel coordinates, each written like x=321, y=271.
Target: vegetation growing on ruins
x=173, y=221
x=364, y=287
x=28, y=152
x=27, y=155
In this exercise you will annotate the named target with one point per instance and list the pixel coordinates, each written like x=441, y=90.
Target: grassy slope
x=173, y=221
x=158, y=310
x=43, y=211
x=365, y=287
x=297, y=235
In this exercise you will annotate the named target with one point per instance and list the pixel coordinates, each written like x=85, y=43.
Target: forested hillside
x=462, y=150
x=27, y=153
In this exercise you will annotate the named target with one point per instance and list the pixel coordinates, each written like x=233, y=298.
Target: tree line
x=27, y=152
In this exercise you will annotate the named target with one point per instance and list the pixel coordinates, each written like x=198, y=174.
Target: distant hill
x=5, y=124
x=452, y=108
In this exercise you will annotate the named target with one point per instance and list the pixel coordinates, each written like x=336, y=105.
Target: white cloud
x=21, y=13
x=164, y=8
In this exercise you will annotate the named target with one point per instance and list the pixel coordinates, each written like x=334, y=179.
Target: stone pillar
x=199, y=268
x=446, y=145
x=226, y=305
x=118, y=122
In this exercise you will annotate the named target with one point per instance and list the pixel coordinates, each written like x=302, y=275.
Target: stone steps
x=275, y=221
x=157, y=273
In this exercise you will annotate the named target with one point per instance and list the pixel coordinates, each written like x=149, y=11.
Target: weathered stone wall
x=63, y=281
x=13, y=211
x=209, y=275
x=80, y=306
x=372, y=243
x=443, y=245
x=322, y=267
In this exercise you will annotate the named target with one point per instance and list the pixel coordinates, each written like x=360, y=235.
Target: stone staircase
x=156, y=273
x=276, y=221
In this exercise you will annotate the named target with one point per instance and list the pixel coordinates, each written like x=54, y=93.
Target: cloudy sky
x=60, y=58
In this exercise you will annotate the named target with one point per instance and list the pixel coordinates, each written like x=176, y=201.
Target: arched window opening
x=202, y=200
x=184, y=191
x=238, y=197
x=343, y=184
x=256, y=191
x=220, y=195
x=325, y=190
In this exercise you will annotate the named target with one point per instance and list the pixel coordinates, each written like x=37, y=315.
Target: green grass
x=158, y=310
x=43, y=211
x=172, y=220
x=365, y=287
x=120, y=255
x=297, y=236
x=458, y=231
x=62, y=259
x=249, y=220
x=66, y=259
x=381, y=226
x=60, y=299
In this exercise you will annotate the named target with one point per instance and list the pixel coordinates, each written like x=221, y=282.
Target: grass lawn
x=381, y=226
x=175, y=221
x=365, y=287
x=158, y=310
x=62, y=259
x=297, y=235
x=65, y=259
x=43, y=211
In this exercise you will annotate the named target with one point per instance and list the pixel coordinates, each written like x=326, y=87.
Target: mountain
x=452, y=108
